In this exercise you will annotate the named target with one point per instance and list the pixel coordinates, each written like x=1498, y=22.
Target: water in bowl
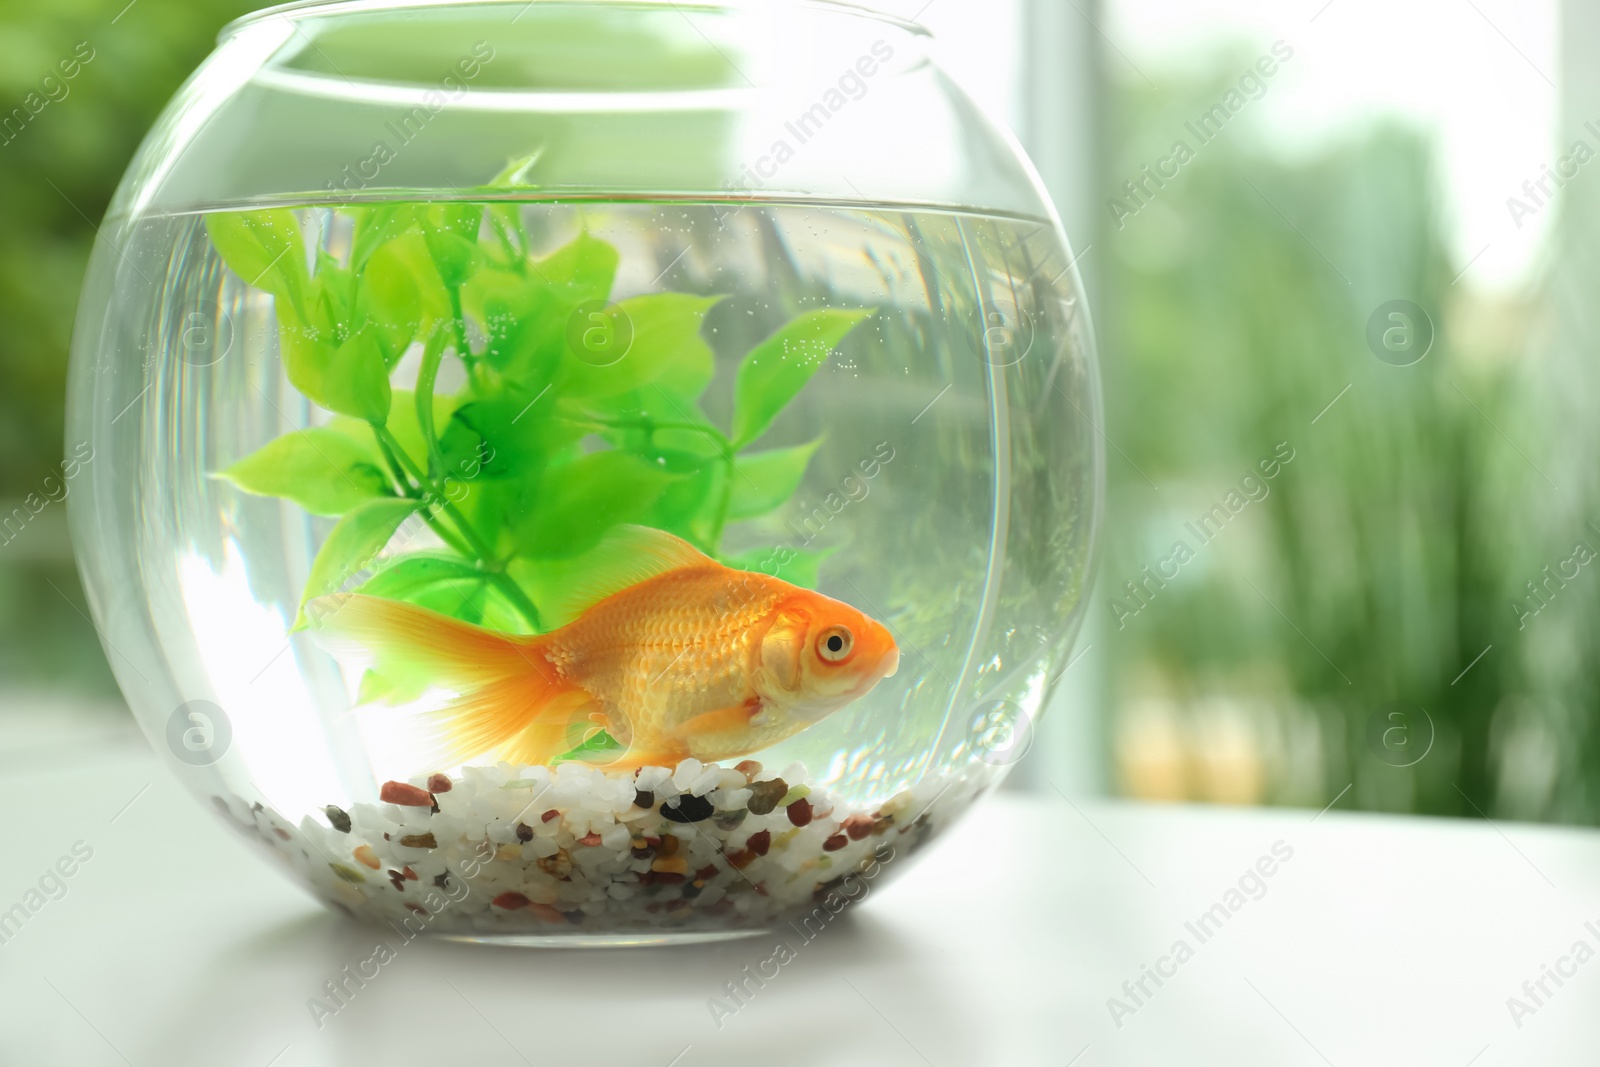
x=457, y=406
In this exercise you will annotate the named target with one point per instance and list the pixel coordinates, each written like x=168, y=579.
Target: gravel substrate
x=507, y=851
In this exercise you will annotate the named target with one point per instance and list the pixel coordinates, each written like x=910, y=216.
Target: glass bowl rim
x=305, y=8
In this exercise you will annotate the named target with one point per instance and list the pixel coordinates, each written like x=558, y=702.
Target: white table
x=1380, y=941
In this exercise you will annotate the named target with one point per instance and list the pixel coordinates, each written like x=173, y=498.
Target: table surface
x=1372, y=941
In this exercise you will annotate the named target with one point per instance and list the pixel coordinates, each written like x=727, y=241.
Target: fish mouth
x=893, y=662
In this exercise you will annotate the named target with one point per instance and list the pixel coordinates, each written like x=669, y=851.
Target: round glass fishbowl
x=584, y=471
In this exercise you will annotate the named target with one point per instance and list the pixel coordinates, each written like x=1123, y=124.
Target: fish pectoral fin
x=723, y=720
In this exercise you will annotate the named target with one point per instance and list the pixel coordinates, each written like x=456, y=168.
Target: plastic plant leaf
x=357, y=380
x=400, y=295
x=263, y=248
x=353, y=546
x=409, y=576
x=688, y=507
x=665, y=341
x=375, y=226
x=510, y=435
x=402, y=424
x=764, y=481
x=578, y=502
x=775, y=371
x=463, y=220
x=455, y=256
x=599, y=743
x=322, y=470
x=581, y=270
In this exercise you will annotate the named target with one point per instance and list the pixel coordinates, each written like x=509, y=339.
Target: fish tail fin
x=510, y=700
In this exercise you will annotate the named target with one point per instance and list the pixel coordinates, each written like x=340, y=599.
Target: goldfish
x=670, y=652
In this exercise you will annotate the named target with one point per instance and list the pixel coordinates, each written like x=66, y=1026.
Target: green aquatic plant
x=577, y=413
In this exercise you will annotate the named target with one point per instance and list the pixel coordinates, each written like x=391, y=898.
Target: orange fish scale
x=668, y=648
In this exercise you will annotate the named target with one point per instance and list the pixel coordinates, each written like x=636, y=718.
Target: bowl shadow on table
x=853, y=993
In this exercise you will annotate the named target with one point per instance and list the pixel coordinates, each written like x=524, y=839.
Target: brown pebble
x=835, y=843
x=644, y=799
x=749, y=768
x=411, y=876
x=524, y=832
x=440, y=783
x=419, y=840
x=764, y=796
x=759, y=843
x=408, y=796
x=741, y=859
x=857, y=826
x=705, y=874
x=338, y=818
x=510, y=901
x=668, y=845
x=800, y=812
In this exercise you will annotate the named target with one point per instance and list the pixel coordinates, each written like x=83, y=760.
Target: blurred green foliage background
x=58, y=169
x=1355, y=626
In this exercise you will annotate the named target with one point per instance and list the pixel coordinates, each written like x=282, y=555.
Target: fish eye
x=835, y=643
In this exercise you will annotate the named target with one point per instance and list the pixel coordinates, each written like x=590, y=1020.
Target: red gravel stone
x=800, y=812
x=705, y=874
x=759, y=843
x=440, y=783
x=510, y=901
x=857, y=826
x=405, y=795
x=835, y=843
x=590, y=838
x=547, y=913
x=551, y=814
x=410, y=874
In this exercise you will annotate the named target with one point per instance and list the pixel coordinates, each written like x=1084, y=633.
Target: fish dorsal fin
x=626, y=556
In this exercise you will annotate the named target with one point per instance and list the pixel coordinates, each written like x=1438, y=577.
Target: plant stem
x=723, y=505
x=432, y=353
x=474, y=549
x=463, y=348
x=398, y=471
